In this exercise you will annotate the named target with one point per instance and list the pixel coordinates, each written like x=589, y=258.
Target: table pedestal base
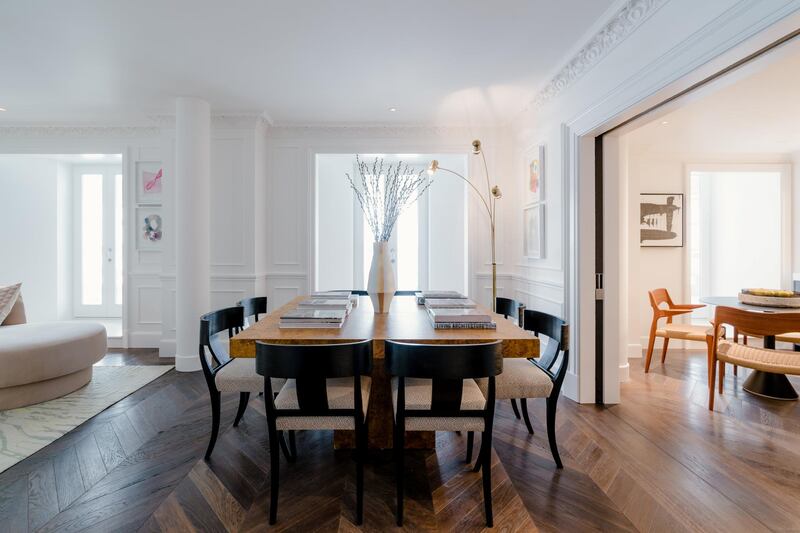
x=768, y=385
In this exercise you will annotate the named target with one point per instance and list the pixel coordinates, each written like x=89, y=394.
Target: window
x=428, y=244
x=736, y=216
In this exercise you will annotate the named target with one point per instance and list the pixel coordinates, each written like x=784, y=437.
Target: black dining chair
x=434, y=389
x=511, y=309
x=320, y=394
x=222, y=372
x=531, y=378
x=253, y=307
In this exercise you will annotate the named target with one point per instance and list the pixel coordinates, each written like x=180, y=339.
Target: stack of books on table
x=336, y=295
x=460, y=318
x=450, y=303
x=312, y=318
x=425, y=296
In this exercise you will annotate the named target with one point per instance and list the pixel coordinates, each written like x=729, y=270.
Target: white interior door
x=97, y=285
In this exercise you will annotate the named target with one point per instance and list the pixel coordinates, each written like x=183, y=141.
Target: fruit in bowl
x=774, y=293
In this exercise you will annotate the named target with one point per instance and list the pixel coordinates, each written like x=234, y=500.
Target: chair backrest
x=310, y=365
x=447, y=366
x=755, y=323
x=357, y=292
x=229, y=320
x=510, y=308
x=557, y=331
x=658, y=297
x=254, y=306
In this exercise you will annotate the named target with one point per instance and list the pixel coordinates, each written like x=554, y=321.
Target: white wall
x=334, y=226
x=29, y=218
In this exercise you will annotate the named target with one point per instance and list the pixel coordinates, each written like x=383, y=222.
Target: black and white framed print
x=661, y=220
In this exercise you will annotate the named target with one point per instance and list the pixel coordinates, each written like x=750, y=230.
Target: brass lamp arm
x=486, y=205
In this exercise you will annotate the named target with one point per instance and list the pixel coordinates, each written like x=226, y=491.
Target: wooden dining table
x=406, y=321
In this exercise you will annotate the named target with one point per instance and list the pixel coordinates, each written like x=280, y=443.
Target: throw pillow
x=8, y=297
x=17, y=314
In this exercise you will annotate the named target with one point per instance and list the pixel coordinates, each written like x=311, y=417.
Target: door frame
x=657, y=88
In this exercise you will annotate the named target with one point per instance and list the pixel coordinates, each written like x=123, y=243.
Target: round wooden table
x=766, y=384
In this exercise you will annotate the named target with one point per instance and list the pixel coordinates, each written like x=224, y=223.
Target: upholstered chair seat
x=520, y=379
x=419, y=393
x=340, y=396
x=239, y=375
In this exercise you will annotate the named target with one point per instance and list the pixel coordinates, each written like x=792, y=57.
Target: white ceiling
x=463, y=62
x=755, y=111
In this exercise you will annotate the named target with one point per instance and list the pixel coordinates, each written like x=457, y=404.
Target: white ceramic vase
x=382, y=279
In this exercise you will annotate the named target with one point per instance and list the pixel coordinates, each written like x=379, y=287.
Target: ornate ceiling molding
x=78, y=131
x=624, y=22
x=221, y=120
x=372, y=131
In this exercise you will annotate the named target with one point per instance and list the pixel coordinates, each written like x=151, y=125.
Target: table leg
x=379, y=419
x=768, y=385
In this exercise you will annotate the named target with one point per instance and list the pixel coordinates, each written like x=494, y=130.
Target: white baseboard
x=635, y=351
x=570, y=386
x=166, y=348
x=143, y=339
x=624, y=373
x=187, y=363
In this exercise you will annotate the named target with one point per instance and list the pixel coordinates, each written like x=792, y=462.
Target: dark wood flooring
x=659, y=461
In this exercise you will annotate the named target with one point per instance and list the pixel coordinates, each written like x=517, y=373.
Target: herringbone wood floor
x=659, y=461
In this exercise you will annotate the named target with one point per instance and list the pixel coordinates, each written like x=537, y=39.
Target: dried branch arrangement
x=383, y=193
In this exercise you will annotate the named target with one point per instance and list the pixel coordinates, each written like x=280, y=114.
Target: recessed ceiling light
x=392, y=109
x=2, y=109
x=665, y=122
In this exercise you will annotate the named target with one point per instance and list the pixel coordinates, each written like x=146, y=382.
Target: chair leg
x=721, y=370
x=710, y=360
x=552, y=403
x=399, y=454
x=664, y=350
x=292, y=445
x=215, y=401
x=514, y=407
x=487, y=476
x=470, y=440
x=244, y=397
x=481, y=451
x=735, y=370
x=651, y=344
x=712, y=375
x=290, y=456
x=274, y=471
x=360, y=458
x=524, y=403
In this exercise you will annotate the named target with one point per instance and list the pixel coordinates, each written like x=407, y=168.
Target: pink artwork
x=152, y=182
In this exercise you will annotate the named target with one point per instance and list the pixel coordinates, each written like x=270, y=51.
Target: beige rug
x=26, y=430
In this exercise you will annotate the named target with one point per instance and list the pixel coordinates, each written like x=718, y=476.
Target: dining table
x=766, y=384
x=406, y=321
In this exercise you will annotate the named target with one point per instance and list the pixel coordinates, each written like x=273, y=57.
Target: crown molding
x=78, y=131
x=626, y=20
x=221, y=120
x=376, y=131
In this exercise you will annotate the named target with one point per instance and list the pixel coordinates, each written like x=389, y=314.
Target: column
x=192, y=271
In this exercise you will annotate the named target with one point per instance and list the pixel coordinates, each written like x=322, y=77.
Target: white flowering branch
x=383, y=193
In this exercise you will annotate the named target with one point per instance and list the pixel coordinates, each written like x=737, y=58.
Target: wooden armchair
x=756, y=324
x=669, y=330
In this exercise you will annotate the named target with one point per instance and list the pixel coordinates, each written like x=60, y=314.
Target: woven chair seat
x=775, y=361
x=520, y=379
x=685, y=331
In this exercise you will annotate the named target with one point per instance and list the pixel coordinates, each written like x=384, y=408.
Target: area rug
x=26, y=430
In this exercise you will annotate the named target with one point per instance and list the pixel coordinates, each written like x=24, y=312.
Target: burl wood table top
x=406, y=321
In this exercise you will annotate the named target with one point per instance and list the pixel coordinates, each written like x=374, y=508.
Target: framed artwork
x=148, y=182
x=534, y=180
x=149, y=228
x=661, y=220
x=533, y=227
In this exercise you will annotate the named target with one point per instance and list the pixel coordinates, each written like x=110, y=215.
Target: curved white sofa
x=44, y=360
